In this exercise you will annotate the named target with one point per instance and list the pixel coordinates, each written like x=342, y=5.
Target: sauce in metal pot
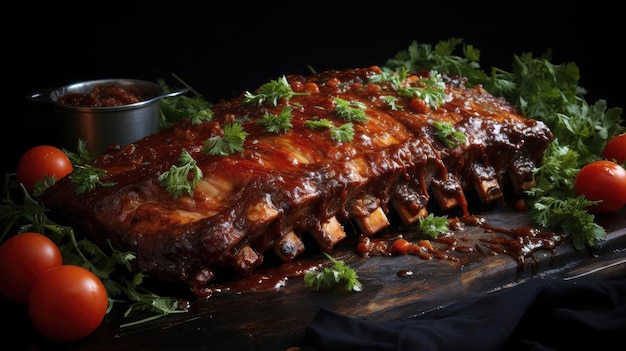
x=102, y=96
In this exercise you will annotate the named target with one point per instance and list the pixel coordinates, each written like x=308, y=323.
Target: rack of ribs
x=298, y=183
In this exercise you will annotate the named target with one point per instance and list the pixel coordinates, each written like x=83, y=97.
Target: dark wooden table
x=275, y=320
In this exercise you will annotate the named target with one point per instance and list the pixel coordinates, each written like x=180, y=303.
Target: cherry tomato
x=603, y=181
x=23, y=259
x=615, y=149
x=67, y=303
x=40, y=161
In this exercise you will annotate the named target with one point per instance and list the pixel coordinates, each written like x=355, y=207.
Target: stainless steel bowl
x=101, y=127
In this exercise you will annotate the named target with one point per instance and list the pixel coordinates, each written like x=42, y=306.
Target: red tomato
x=40, y=161
x=615, y=149
x=67, y=303
x=23, y=259
x=603, y=181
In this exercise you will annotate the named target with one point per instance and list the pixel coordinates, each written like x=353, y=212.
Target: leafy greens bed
x=542, y=90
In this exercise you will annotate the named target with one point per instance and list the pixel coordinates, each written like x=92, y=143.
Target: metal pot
x=101, y=127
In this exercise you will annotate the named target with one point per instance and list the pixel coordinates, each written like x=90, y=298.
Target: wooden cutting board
x=273, y=319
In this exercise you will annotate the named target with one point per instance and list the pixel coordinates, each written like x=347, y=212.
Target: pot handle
x=41, y=96
x=174, y=92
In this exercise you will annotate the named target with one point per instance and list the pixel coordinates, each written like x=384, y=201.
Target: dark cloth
x=538, y=314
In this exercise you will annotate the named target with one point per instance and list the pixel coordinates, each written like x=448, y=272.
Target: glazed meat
x=358, y=144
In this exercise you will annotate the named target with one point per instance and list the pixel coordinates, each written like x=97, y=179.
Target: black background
x=223, y=48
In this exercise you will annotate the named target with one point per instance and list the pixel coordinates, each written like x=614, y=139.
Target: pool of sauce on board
x=519, y=243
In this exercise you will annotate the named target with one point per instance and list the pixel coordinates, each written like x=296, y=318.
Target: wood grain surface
x=276, y=319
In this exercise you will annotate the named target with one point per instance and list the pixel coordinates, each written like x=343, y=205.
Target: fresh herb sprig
x=279, y=123
x=445, y=57
x=114, y=267
x=432, y=225
x=350, y=110
x=223, y=145
x=331, y=276
x=392, y=102
x=272, y=92
x=81, y=156
x=446, y=132
x=342, y=134
x=431, y=89
x=19, y=212
x=180, y=107
x=176, y=180
x=86, y=178
x=548, y=92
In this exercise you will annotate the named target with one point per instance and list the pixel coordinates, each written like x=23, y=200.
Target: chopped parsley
x=271, y=92
x=431, y=89
x=333, y=275
x=343, y=133
x=176, y=180
x=86, y=178
x=432, y=225
x=232, y=141
x=350, y=110
x=392, y=102
x=448, y=135
x=279, y=123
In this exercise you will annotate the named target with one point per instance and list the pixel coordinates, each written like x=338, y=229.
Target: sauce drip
x=519, y=243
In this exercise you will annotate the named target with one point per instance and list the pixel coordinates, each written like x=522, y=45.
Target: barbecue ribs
x=305, y=179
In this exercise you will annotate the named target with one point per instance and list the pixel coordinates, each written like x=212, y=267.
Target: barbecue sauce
x=102, y=96
x=519, y=243
x=301, y=179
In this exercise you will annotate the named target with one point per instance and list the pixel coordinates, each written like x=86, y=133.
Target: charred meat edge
x=285, y=186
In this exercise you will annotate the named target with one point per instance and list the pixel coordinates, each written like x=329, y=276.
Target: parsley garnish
x=81, y=156
x=550, y=93
x=430, y=89
x=569, y=214
x=231, y=142
x=448, y=135
x=176, y=180
x=392, y=102
x=343, y=133
x=109, y=264
x=201, y=116
x=432, y=225
x=87, y=178
x=333, y=275
x=180, y=107
x=279, y=123
x=271, y=92
x=42, y=184
x=350, y=110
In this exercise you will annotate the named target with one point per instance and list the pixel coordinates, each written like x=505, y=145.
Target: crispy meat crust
x=284, y=186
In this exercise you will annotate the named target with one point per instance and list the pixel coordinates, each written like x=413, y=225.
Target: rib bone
x=283, y=186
